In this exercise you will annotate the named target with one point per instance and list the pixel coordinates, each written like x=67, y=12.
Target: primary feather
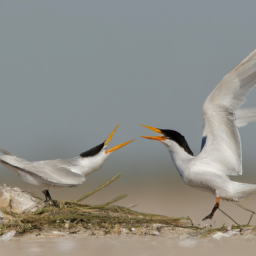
x=245, y=116
x=222, y=117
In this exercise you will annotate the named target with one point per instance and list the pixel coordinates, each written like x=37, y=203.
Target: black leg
x=47, y=195
x=215, y=208
x=44, y=192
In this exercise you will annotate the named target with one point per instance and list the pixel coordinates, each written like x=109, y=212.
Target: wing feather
x=245, y=116
x=52, y=172
x=223, y=143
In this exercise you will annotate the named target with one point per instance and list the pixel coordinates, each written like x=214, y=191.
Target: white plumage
x=60, y=172
x=221, y=154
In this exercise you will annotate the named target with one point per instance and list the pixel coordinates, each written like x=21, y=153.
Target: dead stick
x=76, y=221
x=229, y=217
x=97, y=189
x=112, y=201
x=192, y=224
x=248, y=210
x=250, y=219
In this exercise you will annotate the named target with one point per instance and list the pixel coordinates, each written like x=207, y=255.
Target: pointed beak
x=158, y=138
x=152, y=128
x=110, y=136
x=118, y=146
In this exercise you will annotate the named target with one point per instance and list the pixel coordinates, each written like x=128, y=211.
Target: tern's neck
x=87, y=165
x=179, y=156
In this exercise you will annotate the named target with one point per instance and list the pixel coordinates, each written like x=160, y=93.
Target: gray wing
x=221, y=139
x=245, y=116
x=52, y=172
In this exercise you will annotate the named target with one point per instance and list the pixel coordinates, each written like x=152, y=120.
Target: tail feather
x=242, y=191
x=5, y=152
x=245, y=116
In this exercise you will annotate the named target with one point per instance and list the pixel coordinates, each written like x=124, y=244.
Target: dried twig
x=229, y=217
x=192, y=224
x=97, y=189
x=112, y=201
x=241, y=206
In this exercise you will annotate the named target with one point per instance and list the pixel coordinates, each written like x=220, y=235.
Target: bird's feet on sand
x=51, y=203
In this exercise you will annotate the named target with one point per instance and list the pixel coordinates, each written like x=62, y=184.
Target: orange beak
x=159, y=138
x=116, y=147
x=110, y=136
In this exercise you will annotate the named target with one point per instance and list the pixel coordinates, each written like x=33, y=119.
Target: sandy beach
x=59, y=243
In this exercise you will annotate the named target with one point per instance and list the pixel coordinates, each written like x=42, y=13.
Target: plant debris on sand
x=73, y=217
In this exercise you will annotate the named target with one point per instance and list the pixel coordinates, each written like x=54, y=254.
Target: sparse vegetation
x=73, y=216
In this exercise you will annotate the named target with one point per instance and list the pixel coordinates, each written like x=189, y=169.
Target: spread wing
x=221, y=140
x=52, y=172
x=245, y=116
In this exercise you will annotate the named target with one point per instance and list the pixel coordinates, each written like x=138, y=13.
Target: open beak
x=110, y=136
x=116, y=147
x=159, y=138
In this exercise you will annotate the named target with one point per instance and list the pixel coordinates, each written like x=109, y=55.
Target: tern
x=60, y=172
x=221, y=154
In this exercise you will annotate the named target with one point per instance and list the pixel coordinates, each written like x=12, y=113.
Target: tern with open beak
x=60, y=172
x=221, y=154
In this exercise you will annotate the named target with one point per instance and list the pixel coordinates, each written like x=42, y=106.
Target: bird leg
x=239, y=205
x=215, y=208
x=47, y=195
x=49, y=198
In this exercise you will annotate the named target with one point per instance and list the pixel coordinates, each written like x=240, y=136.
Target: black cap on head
x=93, y=151
x=178, y=138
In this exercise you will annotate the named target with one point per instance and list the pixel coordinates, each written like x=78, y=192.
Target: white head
x=92, y=159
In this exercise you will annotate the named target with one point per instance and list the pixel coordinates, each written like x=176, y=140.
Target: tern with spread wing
x=60, y=172
x=221, y=154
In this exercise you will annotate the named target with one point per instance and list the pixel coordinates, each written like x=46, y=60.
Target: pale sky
x=72, y=70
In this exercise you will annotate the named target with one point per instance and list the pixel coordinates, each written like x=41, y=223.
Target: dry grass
x=74, y=216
